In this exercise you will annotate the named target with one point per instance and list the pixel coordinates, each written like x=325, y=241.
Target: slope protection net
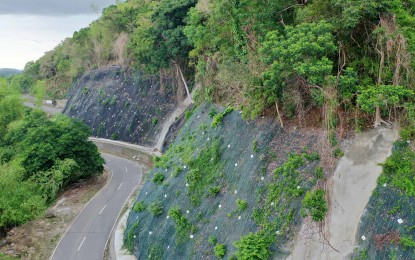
x=387, y=226
x=207, y=197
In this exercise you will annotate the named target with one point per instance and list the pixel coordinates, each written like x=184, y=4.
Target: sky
x=29, y=28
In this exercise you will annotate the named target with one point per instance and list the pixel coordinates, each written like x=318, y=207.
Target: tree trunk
x=184, y=81
x=279, y=115
x=378, y=119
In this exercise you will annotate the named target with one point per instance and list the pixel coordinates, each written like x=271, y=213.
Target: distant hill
x=9, y=72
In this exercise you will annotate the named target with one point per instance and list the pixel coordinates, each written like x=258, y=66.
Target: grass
x=156, y=208
x=315, y=204
x=139, y=206
x=241, y=204
x=277, y=206
x=399, y=169
x=183, y=226
x=158, y=178
x=204, y=172
x=220, y=250
x=129, y=238
x=218, y=118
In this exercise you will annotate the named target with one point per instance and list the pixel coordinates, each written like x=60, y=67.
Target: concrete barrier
x=129, y=151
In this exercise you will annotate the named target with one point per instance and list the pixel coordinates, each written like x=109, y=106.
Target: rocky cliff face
x=122, y=105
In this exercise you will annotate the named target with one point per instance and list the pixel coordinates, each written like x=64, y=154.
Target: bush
x=212, y=240
x=154, y=121
x=158, y=178
x=176, y=171
x=220, y=250
x=213, y=112
x=242, y=204
x=139, y=206
x=214, y=190
x=407, y=242
x=183, y=225
x=217, y=119
x=253, y=246
x=315, y=203
x=319, y=172
x=156, y=208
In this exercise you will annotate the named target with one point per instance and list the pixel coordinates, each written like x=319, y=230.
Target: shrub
x=158, y=178
x=154, y=121
x=407, y=242
x=319, y=172
x=156, y=208
x=139, y=206
x=214, y=190
x=213, y=112
x=220, y=250
x=217, y=119
x=212, y=240
x=242, y=204
x=315, y=203
x=183, y=225
x=188, y=113
x=129, y=239
x=176, y=171
x=253, y=246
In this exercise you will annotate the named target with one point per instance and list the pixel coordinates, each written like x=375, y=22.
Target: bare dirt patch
x=38, y=238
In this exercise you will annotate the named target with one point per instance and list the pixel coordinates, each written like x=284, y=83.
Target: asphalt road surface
x=87, y=237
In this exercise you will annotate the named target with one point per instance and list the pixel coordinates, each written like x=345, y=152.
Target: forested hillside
x=8, y=72
x=337, y=65
x=39, y=157
x=351, y=61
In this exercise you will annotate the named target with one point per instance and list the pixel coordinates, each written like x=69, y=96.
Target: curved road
x=87, y=237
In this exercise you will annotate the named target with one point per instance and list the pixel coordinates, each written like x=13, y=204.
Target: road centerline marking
x=119, y=187
x=126, y=170
x=102, y=209
x=83, y=240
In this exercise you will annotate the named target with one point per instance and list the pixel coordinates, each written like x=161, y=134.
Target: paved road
x=47, y=109
x=86, y=238
x=30, y=101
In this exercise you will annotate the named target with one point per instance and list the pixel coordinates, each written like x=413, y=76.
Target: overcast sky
x=29, y=28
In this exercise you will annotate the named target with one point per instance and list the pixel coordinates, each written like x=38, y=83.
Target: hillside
x=284, y=85
x=9, y=72
x=122, y=105
x=222, y=181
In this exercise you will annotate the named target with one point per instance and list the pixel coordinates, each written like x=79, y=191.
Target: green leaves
x=38, y=158
x=253, y=246
x=383, y=96
x=315, y=204
x=300, y=51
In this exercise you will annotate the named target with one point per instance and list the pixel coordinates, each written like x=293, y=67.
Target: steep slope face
x=221, y=180
x=387, y=226
x=127, y=106
x=351, y=186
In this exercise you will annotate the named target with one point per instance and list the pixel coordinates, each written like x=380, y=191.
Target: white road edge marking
x=126, y=170
x=83, y=240
x=119, y=187
x=102, y=209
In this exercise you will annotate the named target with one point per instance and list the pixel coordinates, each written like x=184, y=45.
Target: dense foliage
x=293, y=56
x=38, y=158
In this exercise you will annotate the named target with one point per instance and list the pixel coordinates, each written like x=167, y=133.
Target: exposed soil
x=38, y=238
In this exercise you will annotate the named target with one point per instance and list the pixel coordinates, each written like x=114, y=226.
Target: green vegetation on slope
x=291, y=56
x=218, y=197
x=388, y=225
x=38, y=158
x=9, y=72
